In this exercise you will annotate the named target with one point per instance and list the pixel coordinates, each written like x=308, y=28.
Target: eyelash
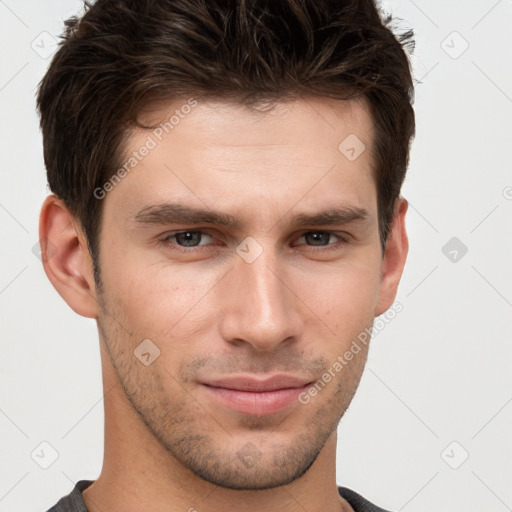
x=166, y=242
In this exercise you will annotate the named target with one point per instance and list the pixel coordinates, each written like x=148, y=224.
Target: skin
x=169, y=445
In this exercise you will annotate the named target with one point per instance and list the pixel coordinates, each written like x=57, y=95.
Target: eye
x=186, y=238
x=321, y=238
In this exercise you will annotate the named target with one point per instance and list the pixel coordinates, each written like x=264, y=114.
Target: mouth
x=250, y=395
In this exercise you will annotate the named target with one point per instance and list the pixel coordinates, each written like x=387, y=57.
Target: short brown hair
x=121, y=55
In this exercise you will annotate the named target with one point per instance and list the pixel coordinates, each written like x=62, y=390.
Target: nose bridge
x=261, y=310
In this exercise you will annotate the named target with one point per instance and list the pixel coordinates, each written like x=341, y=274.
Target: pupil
x=318, y=237
x=188, y=238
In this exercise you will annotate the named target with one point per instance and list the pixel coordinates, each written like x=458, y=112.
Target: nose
x=259, y=306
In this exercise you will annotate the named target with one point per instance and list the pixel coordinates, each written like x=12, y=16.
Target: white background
x=439, y=373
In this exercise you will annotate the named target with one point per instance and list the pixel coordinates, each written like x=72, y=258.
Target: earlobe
x=66, y=258
x=393, y=261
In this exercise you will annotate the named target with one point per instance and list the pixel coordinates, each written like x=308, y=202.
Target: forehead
x=297, y=153
x=212, y=117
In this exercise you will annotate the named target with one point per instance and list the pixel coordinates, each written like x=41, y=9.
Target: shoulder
x=74, y=501
x=357, y=502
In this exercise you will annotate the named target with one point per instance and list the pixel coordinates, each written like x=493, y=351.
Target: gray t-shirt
x=74, y=502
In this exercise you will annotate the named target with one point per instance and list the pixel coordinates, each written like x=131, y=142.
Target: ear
x=393, y=260
x=66, y=258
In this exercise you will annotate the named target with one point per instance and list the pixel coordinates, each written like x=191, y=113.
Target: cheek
x=164, y=300
x=345, y=296
x=160, y=300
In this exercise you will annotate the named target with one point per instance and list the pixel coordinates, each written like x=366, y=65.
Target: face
x=240, y=257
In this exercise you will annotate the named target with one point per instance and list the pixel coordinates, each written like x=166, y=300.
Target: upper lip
x=252, y=383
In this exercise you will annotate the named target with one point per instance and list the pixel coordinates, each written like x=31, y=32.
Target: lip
x=256, y=396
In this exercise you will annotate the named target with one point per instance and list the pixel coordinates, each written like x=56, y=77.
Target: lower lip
x=256, y=402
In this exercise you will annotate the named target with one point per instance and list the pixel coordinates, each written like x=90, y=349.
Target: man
x=226, y=204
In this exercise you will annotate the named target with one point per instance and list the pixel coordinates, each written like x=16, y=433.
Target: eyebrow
x=176, y=213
